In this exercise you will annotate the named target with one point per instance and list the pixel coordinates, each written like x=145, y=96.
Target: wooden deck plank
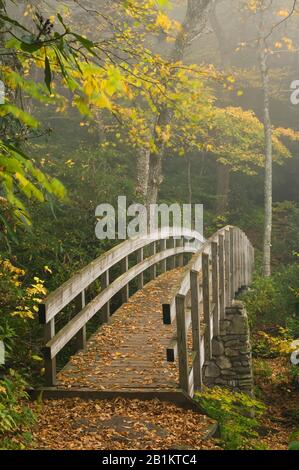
x=128, y=354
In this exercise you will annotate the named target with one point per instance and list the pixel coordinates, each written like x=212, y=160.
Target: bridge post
x=227, y=268
x=180, y=301
x=215, y=288
x=242, y=260
x=222, y=298
x=241, y=249
x=105, y=311
x=163, y=263
x=180, y=260
x=195, y=316
x=232, y=263
x=124, y=266
x=81, y=335
x=50, y=363
x=153, y=269
x=140, y=278
x=206, y=304
x=171, y=260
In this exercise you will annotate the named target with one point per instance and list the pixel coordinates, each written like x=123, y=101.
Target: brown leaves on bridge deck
x=120, y=425
x=130, y=351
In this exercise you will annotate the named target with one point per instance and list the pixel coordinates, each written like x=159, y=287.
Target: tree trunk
x=268, y=183
x=142, y=171
x=194, y=23
x=222, y=171
x=268, y=161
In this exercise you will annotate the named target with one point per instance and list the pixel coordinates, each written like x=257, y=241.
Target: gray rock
x=217, y=347
x=212, y=370
x=223, y=362
x=231, y=352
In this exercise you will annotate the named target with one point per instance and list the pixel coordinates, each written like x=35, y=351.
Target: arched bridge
x=158, y=341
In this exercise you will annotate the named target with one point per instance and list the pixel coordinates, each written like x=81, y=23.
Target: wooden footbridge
x=156, y=343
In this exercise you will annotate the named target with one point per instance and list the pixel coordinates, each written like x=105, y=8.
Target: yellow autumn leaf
x=282, y=13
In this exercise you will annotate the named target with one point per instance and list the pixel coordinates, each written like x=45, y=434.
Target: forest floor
x=121, y=424
x=275, y=390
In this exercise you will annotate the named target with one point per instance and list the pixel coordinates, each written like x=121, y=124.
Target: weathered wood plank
x=221, y=277
x=180, y=257
x=163, y=264
x=69, y=330
x=140, y=278
x=153, y=268
x=195, y=316
x=81, y=335
x=171, y=260
x=232, y=263
x=105, y=279
x=182, y=343
x=227, y=268
x=124, y=267
x=67, y=292
x=50, y=362
x=169, y=396
x=206, y=305
x=215, y=288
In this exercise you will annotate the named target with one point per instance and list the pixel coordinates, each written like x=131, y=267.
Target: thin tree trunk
x=194, y=23
x=222, y=171
x=142, y=171
x=268, y=183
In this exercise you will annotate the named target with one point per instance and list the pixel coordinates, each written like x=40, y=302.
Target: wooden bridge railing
x=75, y=288
x=221, y=267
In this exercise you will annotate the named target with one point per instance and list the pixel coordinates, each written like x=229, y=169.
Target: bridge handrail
x=68, y=291
x=75, y=288
x=220, y=268
x=66, y=333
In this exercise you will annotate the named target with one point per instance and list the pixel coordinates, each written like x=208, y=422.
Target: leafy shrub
x=269, y=346
x=237, y=415
x=275, y=299
x=262, y=369
x=15, y=417
x=19, y=306
x=294, y=444
x=285, y=232
x=294, y=375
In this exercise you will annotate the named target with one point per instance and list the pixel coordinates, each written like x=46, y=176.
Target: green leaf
x=14, y=149
x=30, y=47
x=163, y=4
x=85, y=42
x=37, y=358
x=57, y=188
x=61, y=20
x=18, y=114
